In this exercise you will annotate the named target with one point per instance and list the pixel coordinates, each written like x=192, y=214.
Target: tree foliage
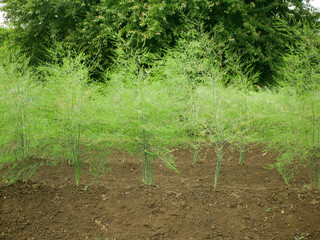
x=4, y=34
x=250, y=28
x=96, y=27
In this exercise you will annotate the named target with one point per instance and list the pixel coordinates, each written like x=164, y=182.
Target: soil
x=250, y=202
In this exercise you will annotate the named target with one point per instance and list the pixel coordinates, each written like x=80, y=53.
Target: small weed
x=299, y=237
x=3, y=234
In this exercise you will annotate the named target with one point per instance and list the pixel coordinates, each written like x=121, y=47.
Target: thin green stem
x=219, y=162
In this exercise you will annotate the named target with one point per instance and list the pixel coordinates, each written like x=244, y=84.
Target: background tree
x=93, y=27
x=250, y=28
x=4, y=33
x=37, y=23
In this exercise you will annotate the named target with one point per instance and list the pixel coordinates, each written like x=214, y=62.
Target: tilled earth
x=250, y=202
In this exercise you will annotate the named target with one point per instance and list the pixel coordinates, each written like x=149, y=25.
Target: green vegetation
x=91, y=26
x=68, y=99
x=299, y=237
x=300, y=85
x=20, y=123
x=146, y=117
x=150, y=99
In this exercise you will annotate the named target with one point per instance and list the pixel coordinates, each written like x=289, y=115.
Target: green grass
x=146, y=111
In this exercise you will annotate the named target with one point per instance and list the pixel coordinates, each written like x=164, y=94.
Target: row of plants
x=54, y=113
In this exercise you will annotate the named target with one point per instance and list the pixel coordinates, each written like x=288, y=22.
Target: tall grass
x=147, y=107
x=300, y=84
x=69, y=95
x=146, y=111
x=216, y=123
x=20, y=124
x=244, y=79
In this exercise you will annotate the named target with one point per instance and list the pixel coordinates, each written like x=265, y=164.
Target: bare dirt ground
x=251, y=202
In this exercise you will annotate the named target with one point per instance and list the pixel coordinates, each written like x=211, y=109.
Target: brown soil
x=251, y=202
